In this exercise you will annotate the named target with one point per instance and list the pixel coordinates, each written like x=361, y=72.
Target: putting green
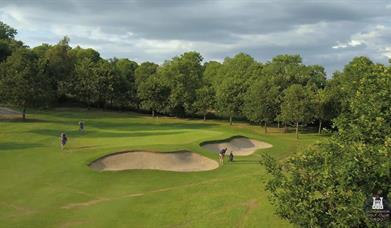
x=42, y=186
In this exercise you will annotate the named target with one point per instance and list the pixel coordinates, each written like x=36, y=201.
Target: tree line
x=283, y=91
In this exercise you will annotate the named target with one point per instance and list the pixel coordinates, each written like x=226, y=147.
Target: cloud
x=327, y=33
x=375, y=41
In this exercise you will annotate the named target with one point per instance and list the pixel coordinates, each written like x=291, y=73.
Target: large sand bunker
x=183, y=161
x=240, y=146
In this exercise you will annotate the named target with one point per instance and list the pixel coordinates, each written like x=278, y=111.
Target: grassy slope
x=39, y=182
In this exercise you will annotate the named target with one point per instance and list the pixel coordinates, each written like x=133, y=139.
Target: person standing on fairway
x=231, y=157
x=81, y=126
x=63, y=140
x=222, y=155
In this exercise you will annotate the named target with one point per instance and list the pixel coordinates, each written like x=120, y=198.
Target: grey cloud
x=156, y=30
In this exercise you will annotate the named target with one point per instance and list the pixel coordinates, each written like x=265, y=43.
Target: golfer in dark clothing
x=81, y=125
x=231, y=157
x=63, y=140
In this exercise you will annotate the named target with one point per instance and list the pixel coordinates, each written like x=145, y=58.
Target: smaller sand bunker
x=8, y=111
x=183, y=161
x=240, y=146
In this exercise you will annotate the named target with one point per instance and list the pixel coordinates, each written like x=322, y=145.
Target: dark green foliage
x=328, y=184
x=262, y=102
x=22, y=83
x=154, y=95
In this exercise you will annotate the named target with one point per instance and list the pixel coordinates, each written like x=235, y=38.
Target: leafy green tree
x=79, y=54
x=85, y=82
x=297, y=106
x=144, y=71
x=211, y=74
x=8, y=44
x=205, y=99
x=59, y=66
x=6, y=32
x=125, y=89
x=262, y=102
x=41, y=50
x=22, y=83
x=326, y=106
x=329, y=184
x=104, y=76
x=184, y=74
x=236, y=75
x=345, y=83
x=154, y=94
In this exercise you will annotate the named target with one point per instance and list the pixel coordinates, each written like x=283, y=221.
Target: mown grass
x=42, y=186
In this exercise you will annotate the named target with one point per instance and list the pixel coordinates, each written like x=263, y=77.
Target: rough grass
x=42, y=186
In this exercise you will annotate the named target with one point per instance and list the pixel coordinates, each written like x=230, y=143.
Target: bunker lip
x=179, y=161
x=8, y=111
x=239, y=145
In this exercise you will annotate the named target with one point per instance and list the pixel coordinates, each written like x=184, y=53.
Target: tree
x=204, y=100
x=60, y=66
x=8, y=44
x=261, y=102
x=211, y=74
x=6, y=32
x=296, y=106
x=22, y=83
x=329, y=184
x=79, y=54
x=184, y=74
x=236, y=75
x=85, y=82
x=125, y=90
x=144, y=71
x=104, y=76
x=345, y=83
x=154, y=94
x=326, y=106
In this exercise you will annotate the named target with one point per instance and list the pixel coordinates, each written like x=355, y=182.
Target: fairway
x=43, y=186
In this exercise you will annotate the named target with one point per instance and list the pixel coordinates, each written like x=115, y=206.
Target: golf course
x=44, y=186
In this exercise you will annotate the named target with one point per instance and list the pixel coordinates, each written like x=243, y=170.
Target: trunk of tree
x=278, y=124
x=230, y=120
x=24, y=114
x=204, y=117
x=285, y=128
x=320, y=127
x=265, y=127
x=297, y=130
x=153, y=113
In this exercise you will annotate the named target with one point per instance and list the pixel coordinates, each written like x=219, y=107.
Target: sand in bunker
x=169, y=161
x=8, y=111
x=240, y=146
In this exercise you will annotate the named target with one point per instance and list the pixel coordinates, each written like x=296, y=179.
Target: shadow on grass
x=148, y=126
x=20, y=120
x=102, y=134
x=239, y=162
x=17, y=146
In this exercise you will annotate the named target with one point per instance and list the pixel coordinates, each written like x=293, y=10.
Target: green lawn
x=42, y=186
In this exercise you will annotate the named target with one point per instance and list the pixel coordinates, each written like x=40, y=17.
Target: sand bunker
x=8, y=111
x=240, y=146
x=183, y=161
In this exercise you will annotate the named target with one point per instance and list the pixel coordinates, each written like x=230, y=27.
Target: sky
x=329, y=33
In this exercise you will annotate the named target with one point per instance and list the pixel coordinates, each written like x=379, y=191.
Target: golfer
x=63, y=140
x=222, y=155
x=231, y=157
x=81, y=125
